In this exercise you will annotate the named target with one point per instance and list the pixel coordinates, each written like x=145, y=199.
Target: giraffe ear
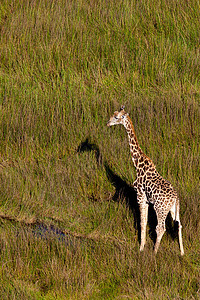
x=122, y=107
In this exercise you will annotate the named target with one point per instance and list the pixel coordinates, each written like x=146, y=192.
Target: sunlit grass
x=66, y=66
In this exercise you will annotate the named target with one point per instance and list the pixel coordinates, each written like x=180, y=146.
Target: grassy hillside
x=69, y=221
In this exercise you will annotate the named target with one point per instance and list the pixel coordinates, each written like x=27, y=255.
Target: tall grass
x=65, y=67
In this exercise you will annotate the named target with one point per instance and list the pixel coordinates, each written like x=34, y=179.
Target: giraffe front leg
x=143, y=219
x=143, y=224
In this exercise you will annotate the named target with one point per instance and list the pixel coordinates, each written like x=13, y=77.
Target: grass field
x=69, y=221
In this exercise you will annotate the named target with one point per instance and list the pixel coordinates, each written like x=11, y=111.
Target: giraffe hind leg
x=180, y=238
x=175, y=216
x=173, y=211
x=160, y=228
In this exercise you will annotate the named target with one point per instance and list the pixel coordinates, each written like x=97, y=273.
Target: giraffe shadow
x=171, y=227
x=123, y=191
x=86, y=146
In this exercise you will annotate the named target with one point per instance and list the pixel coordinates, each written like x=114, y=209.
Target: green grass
x=65, y=67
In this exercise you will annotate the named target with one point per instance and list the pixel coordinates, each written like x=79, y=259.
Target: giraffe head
x=119, y=117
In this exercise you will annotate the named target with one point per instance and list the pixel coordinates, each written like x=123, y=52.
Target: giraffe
x=151, y=187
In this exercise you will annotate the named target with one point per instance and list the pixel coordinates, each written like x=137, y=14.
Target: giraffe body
x=151, y=187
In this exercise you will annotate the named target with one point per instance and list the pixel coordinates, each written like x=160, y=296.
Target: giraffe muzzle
x=108, y=124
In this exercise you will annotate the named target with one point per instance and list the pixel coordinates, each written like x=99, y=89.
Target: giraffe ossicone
x=150, y=185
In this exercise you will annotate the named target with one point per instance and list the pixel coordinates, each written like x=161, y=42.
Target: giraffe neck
x=133, y=143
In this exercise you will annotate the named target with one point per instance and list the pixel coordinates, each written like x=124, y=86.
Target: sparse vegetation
x=65, y=67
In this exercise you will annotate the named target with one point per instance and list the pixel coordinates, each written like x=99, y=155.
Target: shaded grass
x=65, y=67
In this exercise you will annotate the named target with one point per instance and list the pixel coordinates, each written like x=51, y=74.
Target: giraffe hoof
x=141, y=248
x=155, y=250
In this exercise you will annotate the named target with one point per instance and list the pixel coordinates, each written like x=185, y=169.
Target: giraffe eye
x=115, y=117
x=122, y=116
